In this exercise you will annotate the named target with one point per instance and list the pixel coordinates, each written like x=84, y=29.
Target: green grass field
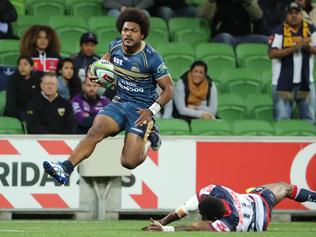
x=53, y=228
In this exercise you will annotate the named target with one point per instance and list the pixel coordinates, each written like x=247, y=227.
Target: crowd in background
x=52, y=94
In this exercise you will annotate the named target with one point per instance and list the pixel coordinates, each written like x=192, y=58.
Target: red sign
x=240, y=165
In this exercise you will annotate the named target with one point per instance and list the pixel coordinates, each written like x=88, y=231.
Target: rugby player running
x=139, y=69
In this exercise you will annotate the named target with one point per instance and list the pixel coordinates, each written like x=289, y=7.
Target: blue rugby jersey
x=137, y=73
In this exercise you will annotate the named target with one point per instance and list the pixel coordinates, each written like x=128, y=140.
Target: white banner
x=23, y=182
x=170, y=170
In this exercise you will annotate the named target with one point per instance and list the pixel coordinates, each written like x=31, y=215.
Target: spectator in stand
x=87, y=55
x=273, y=14
x=292, y=50
x=49, y=113
x=43, y=45
x=195, y=95
x=308, y=10
x=87, y=104
x=234, y=21
x=8, y=14
x=23, y=86
x=116, y=7
x=68, y=82
x=168, y=9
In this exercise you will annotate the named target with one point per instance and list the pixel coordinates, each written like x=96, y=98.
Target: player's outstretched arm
x=197, y=226
x=182, y=211
x=172, y=216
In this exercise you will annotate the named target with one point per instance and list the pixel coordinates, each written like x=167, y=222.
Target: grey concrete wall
x=108, y=207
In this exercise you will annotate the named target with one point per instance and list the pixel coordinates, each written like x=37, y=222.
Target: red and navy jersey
x=244, y=212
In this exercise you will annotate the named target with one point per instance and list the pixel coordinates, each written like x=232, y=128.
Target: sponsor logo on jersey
x=162, y=67
x=129, y=86
x=135, y=69
x=118, y=61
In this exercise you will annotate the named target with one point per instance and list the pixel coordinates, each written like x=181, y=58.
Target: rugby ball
x=103, y=69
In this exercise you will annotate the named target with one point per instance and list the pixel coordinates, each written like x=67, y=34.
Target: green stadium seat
x=105, y=30
x=159, y=23
x=19, y=6
x=69, y=29
x=218, y=57
x=59, y=22
x=28, y=3
x=173, y=127
x=105, y=36
x=157, y=37
x=9, y=45
x=176, y=70
x=46, y=8
x=68, y=3
x=2, y=101
x=17, y=1
x=68, y=37
x=294, y=128
x=210, y=127
x=188, y=30
x=206, y=51
x=9, y=52
x=158, y=31
x=100, y=22
x=314, y=73
x=86, y=9
x=9, y=58
x=259, y=64
x=249, y=51
x=240, y=81
x=266, y=79
x=176, y=53
x=260, y=107
x=252, y=128
x=25, y=21
x=195, y=2
x=231, y=107
x=10, y=125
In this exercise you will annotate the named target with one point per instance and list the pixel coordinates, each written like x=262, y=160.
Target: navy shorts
x=266, y=194
x=125, y=115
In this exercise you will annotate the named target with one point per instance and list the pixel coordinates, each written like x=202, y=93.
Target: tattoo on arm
x=169, y=218
x=185, y=228
x=197, y=226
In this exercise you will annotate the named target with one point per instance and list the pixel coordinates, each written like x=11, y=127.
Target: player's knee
x=128, y=164
x=284, y=189
x=95, y=133
x=287, y=187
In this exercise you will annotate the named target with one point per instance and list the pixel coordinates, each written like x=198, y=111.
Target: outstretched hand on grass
x=154, y=226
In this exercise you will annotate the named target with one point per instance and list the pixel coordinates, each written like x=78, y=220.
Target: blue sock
x=302, y=194
x=67, y=165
